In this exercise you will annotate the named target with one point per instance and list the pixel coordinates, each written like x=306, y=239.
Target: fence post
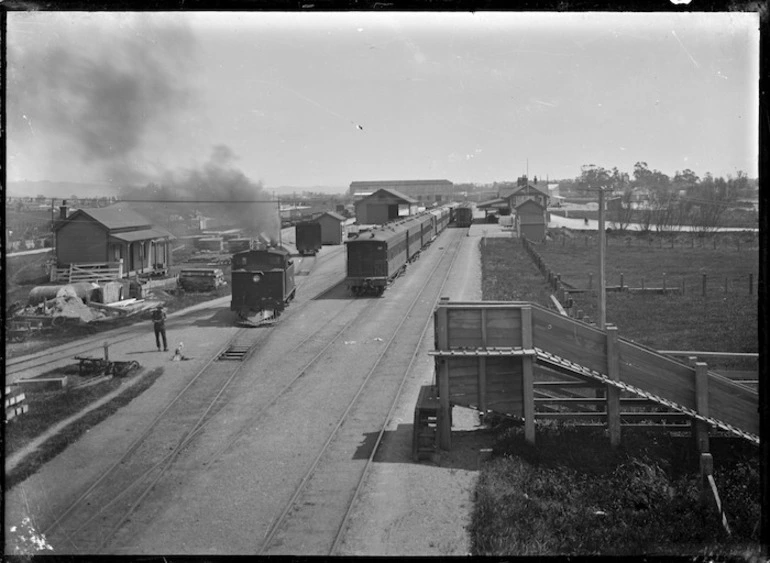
x=613, y=393
x=106, y=351
x=700, y=428
x=528, y=390
x=621, y=281
x=704, y=285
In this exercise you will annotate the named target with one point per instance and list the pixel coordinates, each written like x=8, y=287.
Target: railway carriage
x=262, y=284
x=376, y=257
x=463, y=216
x=440, y=219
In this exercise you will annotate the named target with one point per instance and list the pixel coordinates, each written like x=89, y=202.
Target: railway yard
x=292, y=438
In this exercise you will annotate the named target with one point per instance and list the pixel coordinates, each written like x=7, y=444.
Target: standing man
x=159, y=322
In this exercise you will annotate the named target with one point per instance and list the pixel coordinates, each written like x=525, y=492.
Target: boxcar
x=262, y=283
x=463, y=216
x=308, y=237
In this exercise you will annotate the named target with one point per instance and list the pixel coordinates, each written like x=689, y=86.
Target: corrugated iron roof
x=492, y=202
x=376, y=183
x=143, y=234
x=394, y=193
x=333, y=214
x=113, y=217
x=528, y=189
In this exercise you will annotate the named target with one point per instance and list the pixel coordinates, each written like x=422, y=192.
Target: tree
x=592, y=177
x=714, y=196
x=620, y=215
x=641, y=173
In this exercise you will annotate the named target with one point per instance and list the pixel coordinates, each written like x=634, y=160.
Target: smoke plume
x=96, y=92
x=243, y=202
x=108, y=93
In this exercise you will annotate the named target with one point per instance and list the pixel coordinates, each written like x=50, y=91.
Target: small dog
x=178, y=356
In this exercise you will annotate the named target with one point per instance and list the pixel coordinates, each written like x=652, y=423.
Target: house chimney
x=63, y=210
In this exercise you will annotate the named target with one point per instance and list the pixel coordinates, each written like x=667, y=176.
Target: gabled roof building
x=111, y=235
x=384, y=205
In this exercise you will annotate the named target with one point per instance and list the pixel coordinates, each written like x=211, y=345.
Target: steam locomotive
x=262, y=284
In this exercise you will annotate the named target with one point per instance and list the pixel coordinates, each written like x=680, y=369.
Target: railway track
x=314, y=519
x=96, y=516
x=95, y=343
x=100, y=517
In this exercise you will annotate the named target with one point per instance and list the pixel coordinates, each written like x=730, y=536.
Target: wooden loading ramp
x=487, y=356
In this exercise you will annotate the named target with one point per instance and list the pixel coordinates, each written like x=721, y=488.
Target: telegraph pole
x=602, y=306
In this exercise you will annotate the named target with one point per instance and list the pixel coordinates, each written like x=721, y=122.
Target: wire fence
x=691, y=284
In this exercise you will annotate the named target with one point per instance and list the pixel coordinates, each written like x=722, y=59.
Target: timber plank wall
x=496, y=383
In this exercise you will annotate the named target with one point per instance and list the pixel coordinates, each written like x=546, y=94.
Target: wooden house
x=384, y=205
x=531, y=220
x=525, y=193
x=332, y=227
x=114, y=240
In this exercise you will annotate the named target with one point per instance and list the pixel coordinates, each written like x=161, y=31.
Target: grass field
x=720, y=321
x=572, y=493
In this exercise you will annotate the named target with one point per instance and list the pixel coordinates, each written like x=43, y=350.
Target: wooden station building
x=114, y=238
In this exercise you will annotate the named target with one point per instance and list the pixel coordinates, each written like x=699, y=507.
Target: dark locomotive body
x=308, y=237
x=262, y=283
x=376, y=257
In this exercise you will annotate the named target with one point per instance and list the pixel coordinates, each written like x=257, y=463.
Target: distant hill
x=291, y=190
x=59, y=189
x=63, y=190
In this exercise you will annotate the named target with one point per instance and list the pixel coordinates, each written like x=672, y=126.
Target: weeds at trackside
x=49, y=408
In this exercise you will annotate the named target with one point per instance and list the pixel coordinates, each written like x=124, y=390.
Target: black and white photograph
x=383, y=283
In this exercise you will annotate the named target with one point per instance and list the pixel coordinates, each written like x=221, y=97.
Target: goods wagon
x=463, y=216
x=262, y=284
x=308, y=237
x=376, y=257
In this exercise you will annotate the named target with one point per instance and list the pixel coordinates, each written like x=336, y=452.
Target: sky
x=312, y=99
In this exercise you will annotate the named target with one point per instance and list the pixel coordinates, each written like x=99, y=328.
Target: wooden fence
x=93, y=272
x=701, y=284
x=737, y=240
x=15, y=403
